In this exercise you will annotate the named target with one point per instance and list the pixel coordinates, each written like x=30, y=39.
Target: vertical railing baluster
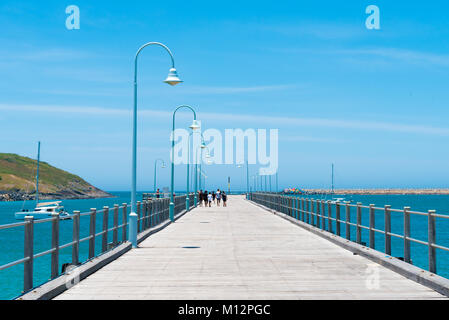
x=104, y=238
x=372, y=223
x=387, y=218
x=329, y=216
x=302, y=209
x=297, y=208
x=115, y=222
x=347, y=221
x=28, y=253
x=317, y=210
x=323, y=216
x=93, y=213
x=307, y=210
x=312, y=212
x=359, y=223
x=337, y=218
x=124, y=221
x=76, y=238
x=431, y=236
x=138, y=215
x=55, y=245
x=407, y=256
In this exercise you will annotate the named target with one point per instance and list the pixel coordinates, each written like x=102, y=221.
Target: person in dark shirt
x=158, y=194
x=213, y=196
x=200, y=197
x=224, y=197
x=205, y=197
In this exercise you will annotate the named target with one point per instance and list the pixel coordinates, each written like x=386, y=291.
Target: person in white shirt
x=209, y=198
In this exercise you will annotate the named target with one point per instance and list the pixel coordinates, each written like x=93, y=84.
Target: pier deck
x=241, y=252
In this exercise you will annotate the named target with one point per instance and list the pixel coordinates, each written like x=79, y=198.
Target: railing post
x=139, y=207
x=104, y=238
x=312, y=211
x=115, y=230
x=124, y=221
x=431, y=241
x=76, y=238
x=407, y=234
x=147, y=212
x=93, y=213
x=55, y=245
x=337, y=218
x=359, y=223
x=298, y=210
x=329, y=216
x=302, y=210
x=28, y=253
x=317, y=210
x=347, y=221
x=323, y=217
x=387, y=230
x=371, y=226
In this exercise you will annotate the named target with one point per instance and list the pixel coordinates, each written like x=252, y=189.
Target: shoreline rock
x=17, y=195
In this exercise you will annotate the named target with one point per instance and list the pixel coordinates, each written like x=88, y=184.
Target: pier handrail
x=319, y=213
x=150, y=212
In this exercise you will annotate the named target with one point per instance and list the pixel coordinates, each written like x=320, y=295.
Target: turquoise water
x=11, y=240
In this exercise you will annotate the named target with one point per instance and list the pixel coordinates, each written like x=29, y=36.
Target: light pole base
x=133, y=229
x=172, y=211
x=194, y=201
x=187, y=203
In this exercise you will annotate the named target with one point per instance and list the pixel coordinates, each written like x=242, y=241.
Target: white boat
x=335, y=200
x=44, y=210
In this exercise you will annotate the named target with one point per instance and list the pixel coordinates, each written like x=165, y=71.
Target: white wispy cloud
x=322, y=30
x=232, y=90
x=272, y=121
x=388, y=54
x=28, y=53
x=403, y=55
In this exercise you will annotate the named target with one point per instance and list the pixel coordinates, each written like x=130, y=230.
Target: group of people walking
x=207, y=198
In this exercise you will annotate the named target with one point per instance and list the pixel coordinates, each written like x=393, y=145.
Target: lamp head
x=172, y=78
x=195, y=125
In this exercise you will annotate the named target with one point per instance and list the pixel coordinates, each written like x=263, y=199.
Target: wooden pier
x=242, y=252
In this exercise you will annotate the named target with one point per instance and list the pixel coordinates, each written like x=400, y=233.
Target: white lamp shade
x=195, y=125
x=172, y=78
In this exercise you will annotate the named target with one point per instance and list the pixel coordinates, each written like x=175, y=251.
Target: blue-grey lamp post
x=247, y=179
x=277, y=185
x=155, y=171
x=172, y=80
x=188, y=174
x=202, y=146
x=193, y=126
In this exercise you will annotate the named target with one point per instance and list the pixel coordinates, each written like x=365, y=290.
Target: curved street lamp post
x=193, y=126
x=172, y=79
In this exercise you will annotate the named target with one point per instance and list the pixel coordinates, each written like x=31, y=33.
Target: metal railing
x=150, y=214
x=319, y=213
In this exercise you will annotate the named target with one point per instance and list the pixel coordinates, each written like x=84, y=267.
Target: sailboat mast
x=37, y=171
x=332, y=178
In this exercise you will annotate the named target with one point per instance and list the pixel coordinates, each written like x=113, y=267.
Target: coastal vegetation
x=18, y=181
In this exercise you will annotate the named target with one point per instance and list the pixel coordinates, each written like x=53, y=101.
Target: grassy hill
x=18, y=177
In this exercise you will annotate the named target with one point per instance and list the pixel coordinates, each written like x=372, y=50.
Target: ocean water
x=11, y=240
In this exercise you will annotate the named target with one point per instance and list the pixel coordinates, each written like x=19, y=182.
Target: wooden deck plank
x=241, y=252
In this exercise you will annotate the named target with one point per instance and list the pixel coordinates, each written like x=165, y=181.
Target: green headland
x=18, y=181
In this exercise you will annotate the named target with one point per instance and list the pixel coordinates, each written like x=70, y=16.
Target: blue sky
x=374, y=102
